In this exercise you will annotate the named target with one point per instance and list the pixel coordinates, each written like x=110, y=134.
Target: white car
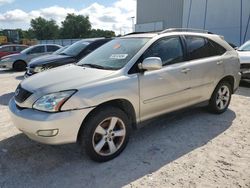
x=244, y=54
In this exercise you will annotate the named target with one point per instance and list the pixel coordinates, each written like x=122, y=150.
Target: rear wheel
x=19, y=66
x=221, y=98
x=105, y=134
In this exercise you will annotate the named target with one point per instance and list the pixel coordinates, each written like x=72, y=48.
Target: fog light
x=47, y=133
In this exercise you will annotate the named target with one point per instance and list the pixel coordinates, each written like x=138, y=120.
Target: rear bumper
x=65, y=125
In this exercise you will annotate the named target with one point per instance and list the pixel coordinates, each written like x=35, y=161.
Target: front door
x=166, y=89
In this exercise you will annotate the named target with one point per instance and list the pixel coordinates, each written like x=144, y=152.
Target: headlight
x=53, y=102
x=39, y=69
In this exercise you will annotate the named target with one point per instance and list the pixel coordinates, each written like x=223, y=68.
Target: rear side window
x=198, y=47
x=168, y=49
x=219, y=49
x=6, y=49
x=51, y=48
x=38, y=49
x=20, y=48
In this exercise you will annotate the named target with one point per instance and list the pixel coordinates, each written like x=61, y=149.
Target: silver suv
x=123, y=83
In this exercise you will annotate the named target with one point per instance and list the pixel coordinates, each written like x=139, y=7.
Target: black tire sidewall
x=212, y=103
x=19, y=65
x=90, y=126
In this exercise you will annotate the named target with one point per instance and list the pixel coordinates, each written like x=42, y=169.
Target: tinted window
x=219, y=49
x=51, y=48
x=76, y=48
x=169, y=50
x=198, y=47
x=38, y=49
x=20, y=48
x=6, y=49
x=91, y=47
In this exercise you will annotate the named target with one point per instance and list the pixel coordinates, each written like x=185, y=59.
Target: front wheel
x=105, y=134
x=221, y=98
x=19, y=66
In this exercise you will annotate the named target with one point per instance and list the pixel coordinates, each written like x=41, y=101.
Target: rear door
x=206, y=65
x=166, y=89
x=35, y=52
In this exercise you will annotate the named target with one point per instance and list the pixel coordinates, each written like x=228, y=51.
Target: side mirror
x=151, y=63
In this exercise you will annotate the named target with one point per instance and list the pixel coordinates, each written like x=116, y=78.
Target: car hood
x=244, y=56
x=64, y=78
x=43, y=60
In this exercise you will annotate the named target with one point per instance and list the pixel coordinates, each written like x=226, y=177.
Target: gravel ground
x=191, y=148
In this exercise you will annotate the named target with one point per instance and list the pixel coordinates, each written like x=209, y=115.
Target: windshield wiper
x=93, y=66
x=97, y=66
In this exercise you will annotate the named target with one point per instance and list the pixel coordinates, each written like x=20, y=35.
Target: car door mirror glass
x=151, y=63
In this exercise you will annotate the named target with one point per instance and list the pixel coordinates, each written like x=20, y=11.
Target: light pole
x=133, y=23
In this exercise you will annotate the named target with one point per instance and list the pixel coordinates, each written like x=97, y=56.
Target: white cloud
x=2, y=2
x=116, y=17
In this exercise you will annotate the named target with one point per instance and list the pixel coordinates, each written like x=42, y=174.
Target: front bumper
x=6, y=64
x=66, y=124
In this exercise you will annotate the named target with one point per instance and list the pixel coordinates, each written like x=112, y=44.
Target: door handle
x=219, y=62
x=185, y=70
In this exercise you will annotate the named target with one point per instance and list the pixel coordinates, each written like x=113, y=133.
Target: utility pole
x=133, y=23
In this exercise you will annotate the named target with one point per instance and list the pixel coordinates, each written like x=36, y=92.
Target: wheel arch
x=122, y=104
x=17, y=61
x=230, y=79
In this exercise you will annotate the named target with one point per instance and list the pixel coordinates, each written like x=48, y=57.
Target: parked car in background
x=55, y=53
x=244, y=54
x=59, y=50
x=125, y=82
x=20, y=61
x=72, y=54
x=11, y=49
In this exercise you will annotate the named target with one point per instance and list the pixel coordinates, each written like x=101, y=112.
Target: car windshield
x=245, y=47
x=75, y=48
x=115, y=54
x=60, y=50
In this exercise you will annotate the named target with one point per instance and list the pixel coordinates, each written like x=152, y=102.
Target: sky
x=103, y=14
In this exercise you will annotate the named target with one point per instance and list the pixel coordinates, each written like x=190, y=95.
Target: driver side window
x=38, y=49
x=168, y=49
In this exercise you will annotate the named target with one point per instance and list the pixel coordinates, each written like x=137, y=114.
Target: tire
x=221, y=98
x=105, y=134
x=19, y=65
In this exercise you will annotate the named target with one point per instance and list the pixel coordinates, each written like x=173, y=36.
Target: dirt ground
x=192, y=148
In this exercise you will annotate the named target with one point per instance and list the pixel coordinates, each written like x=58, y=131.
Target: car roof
x=171, y=31
x=46, y=45
x=7, y=45
x=90, y=40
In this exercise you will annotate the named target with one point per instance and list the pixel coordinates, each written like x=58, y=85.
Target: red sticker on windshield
x=117, y=46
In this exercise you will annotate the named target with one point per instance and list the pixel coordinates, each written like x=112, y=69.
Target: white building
x=230, y=18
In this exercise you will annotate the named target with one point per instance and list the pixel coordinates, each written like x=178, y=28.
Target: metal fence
x=62, y=42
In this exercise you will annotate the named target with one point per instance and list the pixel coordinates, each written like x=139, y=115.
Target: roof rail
x=133, y=33
x=185, y=30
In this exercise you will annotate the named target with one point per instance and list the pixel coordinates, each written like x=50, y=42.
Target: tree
x=101, y=33
x=75, y=26
x=44, y=29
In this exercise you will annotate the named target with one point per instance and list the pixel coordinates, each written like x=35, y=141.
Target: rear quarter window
x=199, y=47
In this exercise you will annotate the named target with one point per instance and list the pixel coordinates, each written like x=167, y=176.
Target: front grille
x=21, y=94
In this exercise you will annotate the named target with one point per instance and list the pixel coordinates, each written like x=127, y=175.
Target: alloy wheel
x=109, y=136
x=223, y=97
